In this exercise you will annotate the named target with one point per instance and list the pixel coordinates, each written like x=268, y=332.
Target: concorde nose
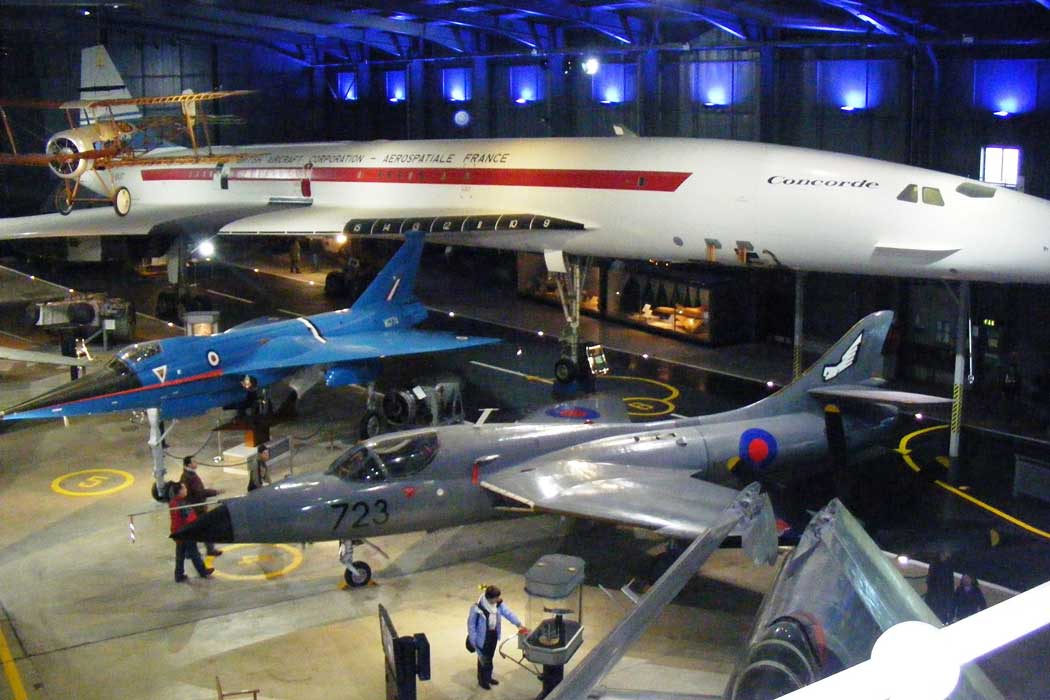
x=213, y=526
x=107, y=381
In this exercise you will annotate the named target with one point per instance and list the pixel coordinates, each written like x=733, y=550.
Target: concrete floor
x=87, y=614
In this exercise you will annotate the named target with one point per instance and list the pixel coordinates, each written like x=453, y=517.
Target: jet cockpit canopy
x=395, y=457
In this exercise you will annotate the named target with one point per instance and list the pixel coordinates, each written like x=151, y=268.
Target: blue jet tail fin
x=856, y=359
x=395, y=284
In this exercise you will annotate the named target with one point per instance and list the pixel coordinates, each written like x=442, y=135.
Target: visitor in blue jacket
x=483, y=631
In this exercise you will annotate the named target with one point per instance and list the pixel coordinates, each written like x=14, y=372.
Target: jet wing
x=582, y=682
x=142, y=220
x=302, y=351
x=49, y=358
x=329, y=220
x=670, y=501
x=601, y=408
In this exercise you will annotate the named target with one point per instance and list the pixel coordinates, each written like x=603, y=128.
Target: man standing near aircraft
x=197, y=493
x=259, y=470
x=483, y=631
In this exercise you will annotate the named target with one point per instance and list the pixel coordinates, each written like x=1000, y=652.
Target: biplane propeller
x=101, y=141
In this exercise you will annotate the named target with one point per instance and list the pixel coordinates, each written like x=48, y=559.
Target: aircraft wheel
x=565, y=370
x=371, y=425
x=63, y=205
x=122, y=201
x=363, y=577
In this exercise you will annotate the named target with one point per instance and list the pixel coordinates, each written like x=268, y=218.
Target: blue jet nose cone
x=213, y=526
x=110, y=380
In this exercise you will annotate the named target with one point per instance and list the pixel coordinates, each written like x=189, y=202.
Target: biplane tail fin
x=100, y=80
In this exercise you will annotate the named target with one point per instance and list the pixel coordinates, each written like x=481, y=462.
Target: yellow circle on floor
x=92, y=482
x=261, y=559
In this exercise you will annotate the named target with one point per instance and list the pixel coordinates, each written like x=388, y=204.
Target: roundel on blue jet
x=573, y=412
x=213, y=358
x=757, y=447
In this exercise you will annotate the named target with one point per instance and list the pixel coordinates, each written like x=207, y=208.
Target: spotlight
x=591, y=65
x=1002, y=114
x=461, y=118
x=206, y=248
x=340, y=238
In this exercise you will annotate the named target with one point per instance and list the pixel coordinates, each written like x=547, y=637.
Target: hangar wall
x=930, y=109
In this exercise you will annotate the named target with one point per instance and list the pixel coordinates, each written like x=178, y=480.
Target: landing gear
x=371, y=425
x=578, y=362
x=122, y=201
x=570, y=292
x=63, y=202
x=357, y=573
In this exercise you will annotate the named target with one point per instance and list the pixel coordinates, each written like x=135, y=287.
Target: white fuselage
x=661, y=198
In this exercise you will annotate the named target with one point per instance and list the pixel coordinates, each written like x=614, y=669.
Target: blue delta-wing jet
x=189, y=375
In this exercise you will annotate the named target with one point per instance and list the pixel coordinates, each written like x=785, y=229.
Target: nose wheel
x=357, y=573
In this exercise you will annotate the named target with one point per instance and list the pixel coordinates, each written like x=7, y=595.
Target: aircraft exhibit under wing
x=298, y=351
x=752, y=510
x=669, y=501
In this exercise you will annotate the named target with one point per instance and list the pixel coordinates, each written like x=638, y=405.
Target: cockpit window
x=909, y=194
x=119, y=368
x=932, y=195
x=390, y=458
x=972, y=189
x=139, y=352
x=359, y=464
x=404, y=456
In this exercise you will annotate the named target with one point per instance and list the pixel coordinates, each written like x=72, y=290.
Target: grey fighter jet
x=578, y=459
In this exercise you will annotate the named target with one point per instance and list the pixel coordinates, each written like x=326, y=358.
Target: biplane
x=102, y=136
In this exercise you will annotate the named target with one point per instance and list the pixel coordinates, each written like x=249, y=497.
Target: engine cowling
x=70, y=142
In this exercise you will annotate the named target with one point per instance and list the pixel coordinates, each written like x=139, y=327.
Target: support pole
x=156, y=447
x=800, y=292
x=962, y=338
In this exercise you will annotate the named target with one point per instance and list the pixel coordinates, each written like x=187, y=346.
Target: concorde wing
x=142, y=220
x=302, y=351
x=669, y=501
x=749, y=508
x=394, y=221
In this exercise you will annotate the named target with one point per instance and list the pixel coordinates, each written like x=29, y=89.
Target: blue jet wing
x=301, y=351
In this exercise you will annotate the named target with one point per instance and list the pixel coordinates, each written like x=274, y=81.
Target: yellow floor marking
x=256, y=559
x=14, y=680
x=96, y=478
x=638, y=402
x=905, y=454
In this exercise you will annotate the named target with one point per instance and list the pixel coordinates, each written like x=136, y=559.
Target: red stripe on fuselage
x=163, y=385
x=642, y=180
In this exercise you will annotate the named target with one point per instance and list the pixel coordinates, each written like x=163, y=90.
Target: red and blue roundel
x=757, y=447
x=566, y=411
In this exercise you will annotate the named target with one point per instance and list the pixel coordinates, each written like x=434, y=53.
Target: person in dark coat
x=197, y=493
x=968, y=598
x=483, y=631
x=180, y=518
x=295, y=256
x=940, y=585
x=259, y=471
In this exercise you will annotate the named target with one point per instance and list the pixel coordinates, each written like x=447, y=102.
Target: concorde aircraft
x=191, y=374
x=577, y=459
x=673, y=199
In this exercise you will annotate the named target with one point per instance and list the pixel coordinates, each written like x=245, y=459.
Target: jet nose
x=213, y=526
x=62, y=400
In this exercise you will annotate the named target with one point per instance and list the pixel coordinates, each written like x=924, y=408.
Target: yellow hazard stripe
x=956, y=408
x=14, y=680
